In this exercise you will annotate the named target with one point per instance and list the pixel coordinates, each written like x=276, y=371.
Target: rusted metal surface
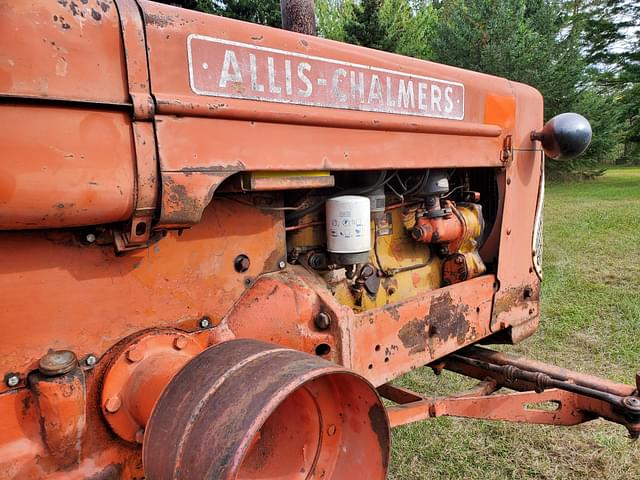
x=135, y=55
x=95, y=162
x=395, y=339
x=45, y=422
x=76, y=167
x=545, y=394
x=511, y=407
x=581, y=379
x=147, y=188
x=288, y=309
x=57, y=362
x=296, y=78
x=218, y=146
x=61, y=403
x=516, y=234
x=139, y=229
x=175, y=282
x=185, y=195
x=67, y=50
x=136, y=377
x=298, y=417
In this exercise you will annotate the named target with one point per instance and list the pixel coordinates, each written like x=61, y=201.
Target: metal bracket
x=582, y=397
x=136, y=234
x=507, y=150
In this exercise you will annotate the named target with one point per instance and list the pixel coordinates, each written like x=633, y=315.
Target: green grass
x=590, y=322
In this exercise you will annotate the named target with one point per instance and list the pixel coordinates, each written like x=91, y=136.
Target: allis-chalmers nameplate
x=223, y=68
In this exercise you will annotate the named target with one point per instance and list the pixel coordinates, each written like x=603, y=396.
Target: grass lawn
x=590, y=322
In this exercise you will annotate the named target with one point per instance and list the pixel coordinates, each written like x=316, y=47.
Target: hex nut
x=91, y=360
x=205, y=322
x=12, y=380
x=281, y=264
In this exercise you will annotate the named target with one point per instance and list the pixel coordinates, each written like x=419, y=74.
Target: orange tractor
x=221, y=242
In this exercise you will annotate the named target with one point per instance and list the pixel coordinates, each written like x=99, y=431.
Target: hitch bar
x=544, y=394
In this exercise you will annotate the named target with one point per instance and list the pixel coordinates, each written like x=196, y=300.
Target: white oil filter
x=348, y=224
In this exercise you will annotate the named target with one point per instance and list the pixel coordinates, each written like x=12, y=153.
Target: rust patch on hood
x=516, y=297
x=158, y=20
x=445, y=320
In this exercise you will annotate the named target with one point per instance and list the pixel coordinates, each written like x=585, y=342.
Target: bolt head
x=90, y=238
x=91, y=360
x=135, y=354
x=180, y=342
x=205, y=323
x=113, y=404
x=12, y=380
x=281, y=264
x=323, y=321
x=632, y=402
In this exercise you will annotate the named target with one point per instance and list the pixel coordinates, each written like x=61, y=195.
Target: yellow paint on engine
x=397, y=251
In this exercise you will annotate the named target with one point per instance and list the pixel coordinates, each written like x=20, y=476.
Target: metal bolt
x=12, y=380
x=281, y=264
x=367, y=271
x=632, y=402
x=135, y=354
x=113, y=404
x=323, y=321
x=91, y=360
x=205, y=322
x=57, y=362
x=90, y=238
x=180, y=342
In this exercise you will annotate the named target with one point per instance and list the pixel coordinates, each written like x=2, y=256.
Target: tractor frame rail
x=541, y=394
